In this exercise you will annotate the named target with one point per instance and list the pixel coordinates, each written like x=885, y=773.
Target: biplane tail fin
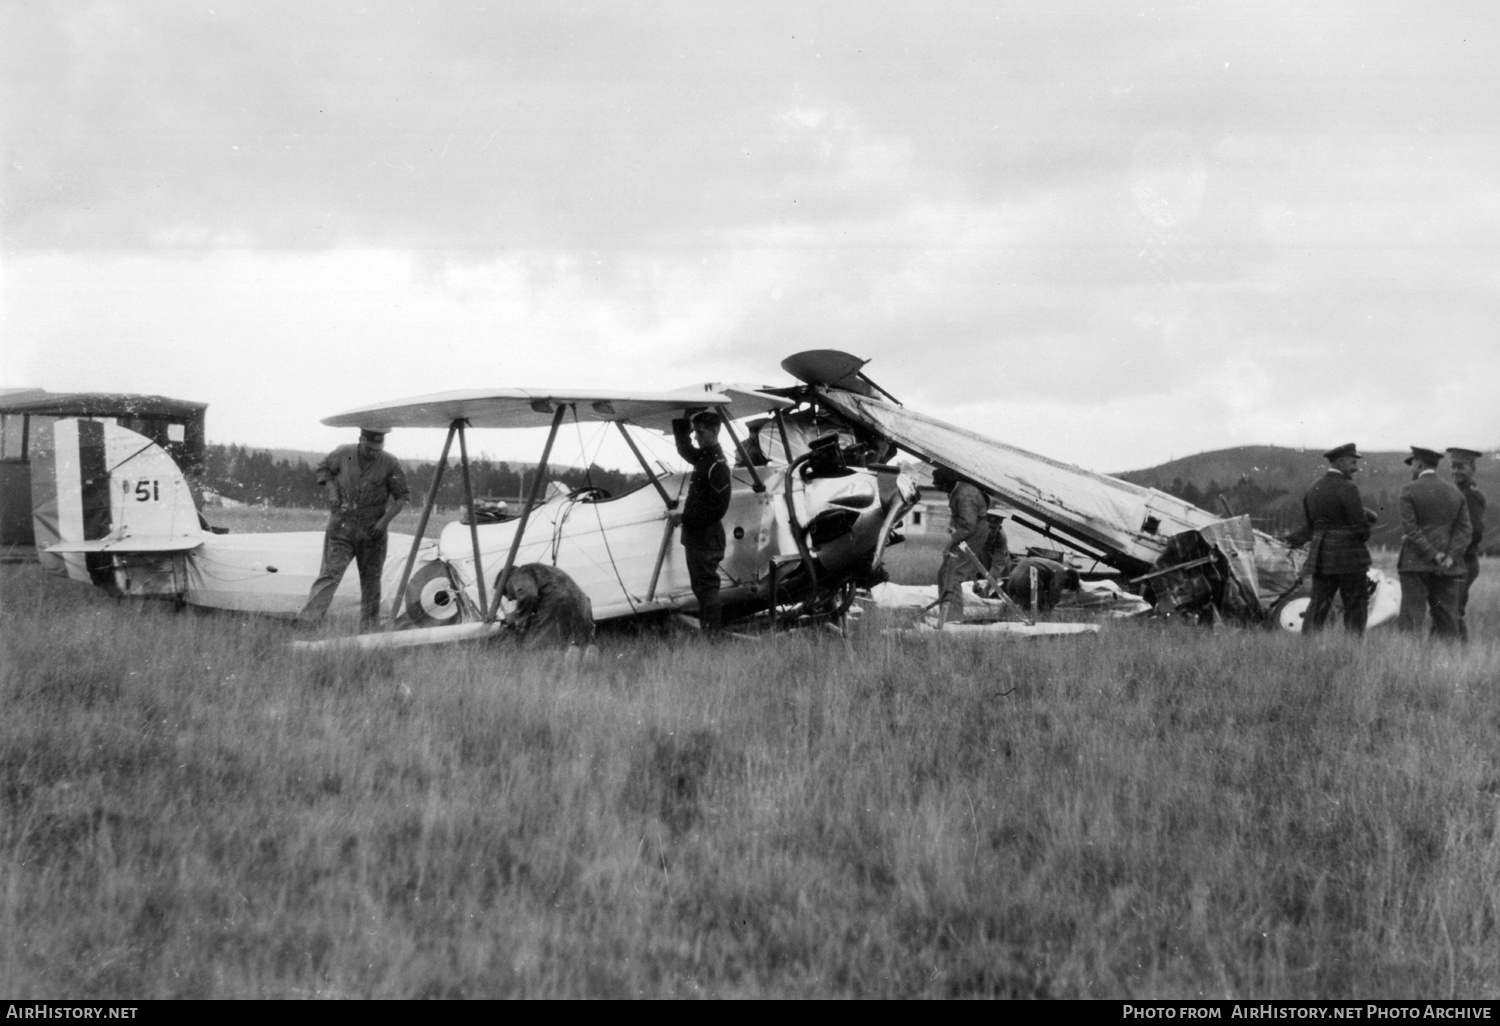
x=100, y=490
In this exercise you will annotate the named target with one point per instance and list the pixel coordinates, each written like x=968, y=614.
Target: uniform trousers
x=1352, y=588
x=1437, y=594
x=957, y=568
x=1471, y=571
x=345, y=542
x=703, y=546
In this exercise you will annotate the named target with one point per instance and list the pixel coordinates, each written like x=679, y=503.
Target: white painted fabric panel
x=1101, y=509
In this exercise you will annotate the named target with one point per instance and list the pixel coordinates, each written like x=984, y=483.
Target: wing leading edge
x=518, y=408
x=1128, y=524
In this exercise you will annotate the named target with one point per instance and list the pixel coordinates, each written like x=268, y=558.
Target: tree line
x=1244, y=496
x=256, y=476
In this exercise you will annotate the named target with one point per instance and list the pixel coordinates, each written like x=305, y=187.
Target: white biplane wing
x=743, y=401
x=519, y=408
x=1130, y=527
x=1127, y=524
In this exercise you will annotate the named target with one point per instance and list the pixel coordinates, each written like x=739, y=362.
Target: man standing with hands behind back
x=1434, y=534
x=366, y=488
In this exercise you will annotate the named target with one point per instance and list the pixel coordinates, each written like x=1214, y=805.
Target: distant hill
x=1268, y=482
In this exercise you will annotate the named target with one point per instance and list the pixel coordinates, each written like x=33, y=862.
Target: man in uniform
x=1434, y=536
x=996, y=551
x=366, y=488
x=968, y=521
x=550, y=608
x=1461, y=464
x=703, y=513
x=1053, y=579
x=1338, y=525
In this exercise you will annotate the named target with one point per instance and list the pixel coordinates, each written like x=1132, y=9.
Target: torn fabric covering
x=1235, y=540
x=1269, y=568
x=1278, y=569
x=1129, y=523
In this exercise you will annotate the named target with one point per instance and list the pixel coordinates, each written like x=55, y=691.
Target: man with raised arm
x=366, y=488
x=703, y=513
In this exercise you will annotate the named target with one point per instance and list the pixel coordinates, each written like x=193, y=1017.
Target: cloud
x=1126, y=227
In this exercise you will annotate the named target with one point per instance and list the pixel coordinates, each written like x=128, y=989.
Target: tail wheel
x=431, y=598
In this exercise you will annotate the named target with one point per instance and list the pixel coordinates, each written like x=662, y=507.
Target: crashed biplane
x=816, y=499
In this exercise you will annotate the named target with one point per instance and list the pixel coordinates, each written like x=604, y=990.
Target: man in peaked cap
x=1435, y=533
x=709, y=491
x=366, y=488
x=1338, y=526
x=1461, y=465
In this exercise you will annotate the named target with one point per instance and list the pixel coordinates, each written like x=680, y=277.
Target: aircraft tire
x=1289, y=613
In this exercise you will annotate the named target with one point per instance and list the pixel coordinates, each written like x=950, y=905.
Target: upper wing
x=1127, y=524
x=519, y=408
x=743, y=401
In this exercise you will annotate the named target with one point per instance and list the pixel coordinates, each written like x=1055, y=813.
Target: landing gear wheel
x=1289, y=614
x=431, y=598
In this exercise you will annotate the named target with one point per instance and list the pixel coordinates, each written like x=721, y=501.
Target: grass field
x=188, y=808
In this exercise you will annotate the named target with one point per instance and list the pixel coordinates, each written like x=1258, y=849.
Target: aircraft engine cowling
x=845, y=520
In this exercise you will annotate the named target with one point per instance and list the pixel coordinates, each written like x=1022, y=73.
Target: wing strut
x=759, y=485
x=463, y=460
x=416, y=542
x=667, y=500
x=536, y=488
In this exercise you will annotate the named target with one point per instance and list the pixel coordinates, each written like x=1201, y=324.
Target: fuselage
x=625, y=551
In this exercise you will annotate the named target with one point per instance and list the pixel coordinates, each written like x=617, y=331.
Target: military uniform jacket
x=1336, y=525
x=968, y=521
x=549, y=605
x=1434, y=519
x=710, y=487
x=1477, y=503
x=364, y=486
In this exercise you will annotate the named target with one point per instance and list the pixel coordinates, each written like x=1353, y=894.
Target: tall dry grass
x=190, y=809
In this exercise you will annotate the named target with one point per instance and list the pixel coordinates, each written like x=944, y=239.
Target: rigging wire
x=598, y=517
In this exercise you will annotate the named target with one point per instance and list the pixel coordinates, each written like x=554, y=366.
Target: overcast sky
x=1108, y=232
